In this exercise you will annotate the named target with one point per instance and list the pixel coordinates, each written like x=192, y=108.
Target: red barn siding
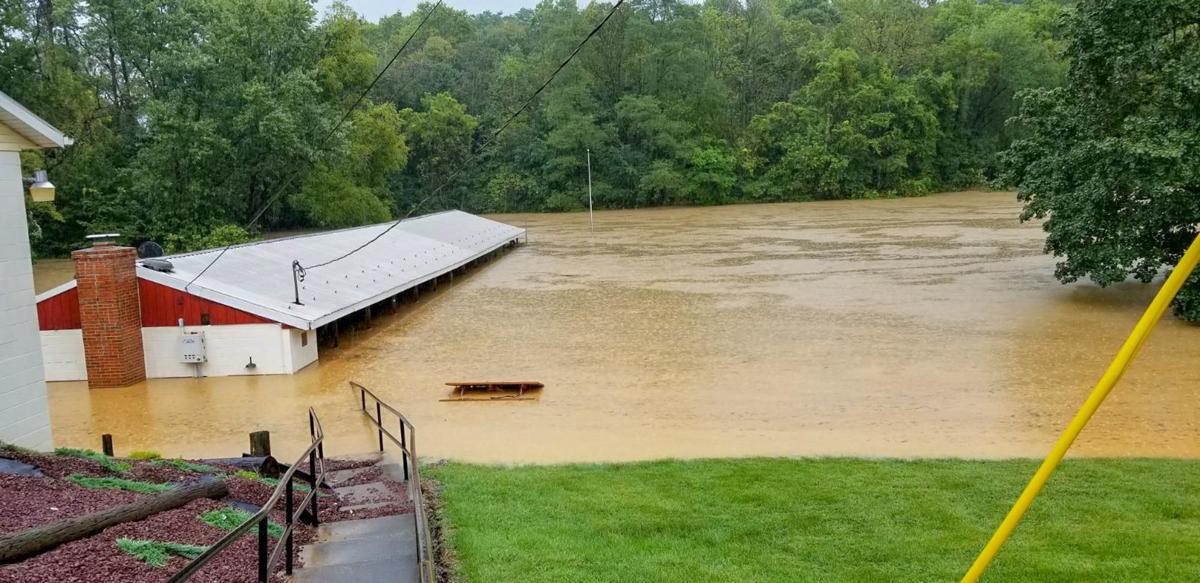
x=160, y=306
x=60, y=312
x=164, y=306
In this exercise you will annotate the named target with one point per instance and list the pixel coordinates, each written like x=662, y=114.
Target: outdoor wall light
x=40, y=188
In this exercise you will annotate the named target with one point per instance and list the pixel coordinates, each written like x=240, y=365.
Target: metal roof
x=257, y=277
x=28, y=124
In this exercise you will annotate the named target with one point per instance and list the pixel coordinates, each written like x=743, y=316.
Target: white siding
x=62, y=352
x=276, y=350
x=24, y=413
x=229, y=349
x=301, y=355
x=11, y=141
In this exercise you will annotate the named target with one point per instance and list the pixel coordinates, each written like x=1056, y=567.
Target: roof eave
x=70, y=285
x=34, y=128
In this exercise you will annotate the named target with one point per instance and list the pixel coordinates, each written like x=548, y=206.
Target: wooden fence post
x=260, y=444
x=106, y=444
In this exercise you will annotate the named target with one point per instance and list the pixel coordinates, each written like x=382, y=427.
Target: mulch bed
x=27, y=502
x=58, y=466
x=333, y=465
x=97, y=558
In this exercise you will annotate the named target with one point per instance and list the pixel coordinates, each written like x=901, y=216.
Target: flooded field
x=914, y=327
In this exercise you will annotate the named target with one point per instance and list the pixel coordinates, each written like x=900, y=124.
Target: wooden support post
x=260, y=444
x=106, y=444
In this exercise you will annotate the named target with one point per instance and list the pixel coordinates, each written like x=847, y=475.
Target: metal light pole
x=591, y=218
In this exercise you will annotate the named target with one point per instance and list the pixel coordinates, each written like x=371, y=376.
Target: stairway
x=373, y=549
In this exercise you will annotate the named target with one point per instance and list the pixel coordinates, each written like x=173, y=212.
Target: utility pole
x=591, y=218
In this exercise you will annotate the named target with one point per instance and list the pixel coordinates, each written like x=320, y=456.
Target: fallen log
x=17, y=546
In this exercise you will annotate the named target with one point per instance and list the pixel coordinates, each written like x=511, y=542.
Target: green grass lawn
x=819, y=520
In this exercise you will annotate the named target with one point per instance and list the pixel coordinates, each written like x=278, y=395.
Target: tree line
x=192, y=116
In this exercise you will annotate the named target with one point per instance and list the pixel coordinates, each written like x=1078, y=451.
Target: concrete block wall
x=24, y=411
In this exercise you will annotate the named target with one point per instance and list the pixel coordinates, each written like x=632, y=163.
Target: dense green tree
x=193, y=115
x=992, y=51
x=440, y=137
x=1111, y=160
x=857, y=130
x=351, y=187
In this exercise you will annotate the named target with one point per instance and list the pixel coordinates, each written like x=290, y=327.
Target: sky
x=374, y=9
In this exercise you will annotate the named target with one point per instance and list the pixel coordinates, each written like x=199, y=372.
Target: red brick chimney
x=110, y=315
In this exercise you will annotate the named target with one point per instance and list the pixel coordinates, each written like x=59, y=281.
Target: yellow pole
x=1117, y=368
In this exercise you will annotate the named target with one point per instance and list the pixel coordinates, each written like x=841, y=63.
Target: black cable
x=280, y=189
x=475, y=152
x=361, y=96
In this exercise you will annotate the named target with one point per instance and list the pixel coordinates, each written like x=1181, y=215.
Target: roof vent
x=149, y=249
x=103, y=239
x=158, y=265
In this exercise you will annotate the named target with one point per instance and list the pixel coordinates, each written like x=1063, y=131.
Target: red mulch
x=56, y=466
x=333, y=465
x=97, y=558
x=374, y=474
x=151, y=472
x=26, y=502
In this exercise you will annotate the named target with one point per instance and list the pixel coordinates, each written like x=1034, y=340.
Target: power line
x=279, y=190
x=475, y=152
x=358, y=101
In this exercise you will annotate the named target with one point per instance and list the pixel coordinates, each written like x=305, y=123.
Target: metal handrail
x=407, y=442
x=314, y=452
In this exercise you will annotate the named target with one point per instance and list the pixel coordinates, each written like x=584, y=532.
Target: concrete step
x=391, y=471
x=342, y=476
x=386, y=570
x=401, y=525
x=368, y=493
x=362, y=550
x=372, y=549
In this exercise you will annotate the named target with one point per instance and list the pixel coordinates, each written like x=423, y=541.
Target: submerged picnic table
x=494, y=386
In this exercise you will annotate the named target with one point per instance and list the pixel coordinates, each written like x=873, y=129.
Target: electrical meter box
x=191, y=348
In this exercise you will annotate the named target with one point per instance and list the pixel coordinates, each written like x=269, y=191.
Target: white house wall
x=62, y=351
x=275, y=349
x=229, y=348
x=302, y=348
x=24, y=412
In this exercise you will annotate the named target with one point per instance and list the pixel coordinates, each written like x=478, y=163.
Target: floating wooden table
x=494, y=386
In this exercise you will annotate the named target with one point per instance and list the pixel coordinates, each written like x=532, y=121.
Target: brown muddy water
x=916, y=327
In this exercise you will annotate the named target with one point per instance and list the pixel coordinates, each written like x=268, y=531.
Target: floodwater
x=915, y=327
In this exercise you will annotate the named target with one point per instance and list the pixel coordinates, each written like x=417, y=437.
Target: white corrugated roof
x=257, y=277
x=28, y=124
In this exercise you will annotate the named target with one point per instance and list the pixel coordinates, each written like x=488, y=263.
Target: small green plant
x=186, y=466
x=273, y=482
x=4, y=445
x=231, y=518
x=297, y=484
x=145, y=455
x=109, y=463
x=156, y=553
x=118, y=484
